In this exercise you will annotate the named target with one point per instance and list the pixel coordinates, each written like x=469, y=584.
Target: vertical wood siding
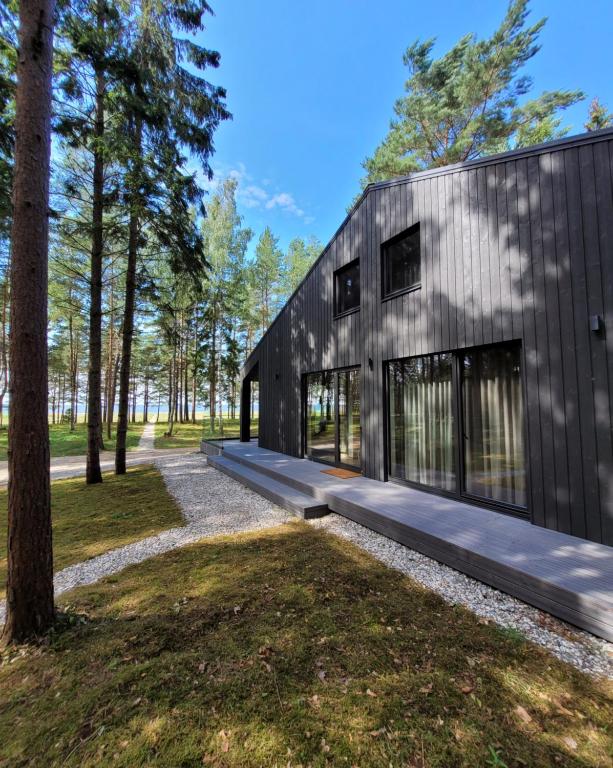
x=520, y=248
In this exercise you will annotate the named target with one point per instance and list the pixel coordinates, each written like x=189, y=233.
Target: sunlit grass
x=190, y=435
x=63, y=442
x=290, y=647
x=91, y=519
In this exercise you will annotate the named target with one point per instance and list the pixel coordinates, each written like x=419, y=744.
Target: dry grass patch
x=290, y=647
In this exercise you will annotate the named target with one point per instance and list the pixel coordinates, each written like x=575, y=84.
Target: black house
x=457, y=335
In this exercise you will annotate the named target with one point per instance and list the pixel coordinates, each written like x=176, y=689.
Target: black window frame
x=335, y=372
x=335, y=277
x=384, y=263
x=460, y=493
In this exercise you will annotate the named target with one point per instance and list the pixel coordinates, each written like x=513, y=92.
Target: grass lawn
x=63, y=442
x=190, y=435
x=290, y=647
x=91, y=519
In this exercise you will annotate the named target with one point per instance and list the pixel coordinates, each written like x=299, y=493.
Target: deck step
x=283, y=495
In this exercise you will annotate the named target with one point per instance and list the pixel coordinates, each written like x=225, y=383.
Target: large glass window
x=333, y=429
x=493, y=413
x=431, y=430
x=349, y=428
x=422, y=432
x=401, y=262
x=321, y=416
x=347, y=288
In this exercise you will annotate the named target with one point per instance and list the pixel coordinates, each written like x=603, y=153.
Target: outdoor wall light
x=596, y=323
x=370, y=363
x=277, y=376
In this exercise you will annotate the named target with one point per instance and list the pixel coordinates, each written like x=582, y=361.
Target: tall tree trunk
x=4, y=350
x=94, y=435
x=29, y=590
x=146, y=401
x=134, y=395
x=128, y=320
x=186, y=386
x=213, y=376
x=71, y=372
x=111, y=374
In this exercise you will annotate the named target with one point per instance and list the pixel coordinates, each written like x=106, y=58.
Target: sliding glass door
x=321, y=416
x=349, y=428
x=493, y=414
x=332, y=416
x=456, y=423
x=422, y=422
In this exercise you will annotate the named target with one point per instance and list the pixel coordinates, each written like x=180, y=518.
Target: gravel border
x=230, y=508
x=584, y=651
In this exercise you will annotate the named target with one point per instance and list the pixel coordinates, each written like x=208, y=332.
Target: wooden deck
x=564, y=575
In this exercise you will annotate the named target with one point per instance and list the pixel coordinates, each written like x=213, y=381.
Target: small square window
x=401, y=262
x=347, y=288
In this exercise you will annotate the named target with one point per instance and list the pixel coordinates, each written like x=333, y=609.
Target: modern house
x=455, y=337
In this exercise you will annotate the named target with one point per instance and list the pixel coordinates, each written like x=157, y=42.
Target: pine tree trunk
x=146, y=401
x=4, y=362
x=71, y=373
x=110, y=373
x=134, y=395
x=94, y=435
x=213, y=376
x=29, y=591
x=128, y=323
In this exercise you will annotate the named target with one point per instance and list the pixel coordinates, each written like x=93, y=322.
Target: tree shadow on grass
x=290, y=647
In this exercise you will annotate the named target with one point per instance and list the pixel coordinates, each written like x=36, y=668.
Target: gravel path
x=212, y=504
x=146, y=439
x=215, y=504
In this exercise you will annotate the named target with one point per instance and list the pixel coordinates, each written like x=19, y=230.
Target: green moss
x=289, y=647
x=91, y=519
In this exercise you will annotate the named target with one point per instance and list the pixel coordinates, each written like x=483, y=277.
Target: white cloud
x=286, y=202
x=252, y=194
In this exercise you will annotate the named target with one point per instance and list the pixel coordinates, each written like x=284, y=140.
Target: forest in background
x=149, y=271
x=132, y=114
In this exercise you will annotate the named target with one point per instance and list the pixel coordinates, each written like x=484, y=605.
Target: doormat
x=344, y=474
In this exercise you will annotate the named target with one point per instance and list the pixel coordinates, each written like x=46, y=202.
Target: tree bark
x=128, y=320
x=3, y=353
x=29, y=593
x=93, y=473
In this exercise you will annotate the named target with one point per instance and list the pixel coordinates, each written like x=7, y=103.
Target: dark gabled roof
x=565, y=143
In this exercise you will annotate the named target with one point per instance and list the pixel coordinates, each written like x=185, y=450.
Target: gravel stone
x=214, y=504
x=581, y=649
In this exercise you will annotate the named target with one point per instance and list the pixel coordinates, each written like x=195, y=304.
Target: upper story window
x=347, y=288
x=401, y=259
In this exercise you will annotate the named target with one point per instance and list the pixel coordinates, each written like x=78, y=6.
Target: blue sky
x=312, y=85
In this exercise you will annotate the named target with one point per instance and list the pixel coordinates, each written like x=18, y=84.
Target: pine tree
x=598, y=116
x=30, y=558
x=169, y=109
x=470, y=102
x=267, y=276
x=90, y=58
x=298, y=260
x=225, y=242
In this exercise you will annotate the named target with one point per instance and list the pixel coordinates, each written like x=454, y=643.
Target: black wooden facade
x=518, y=247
